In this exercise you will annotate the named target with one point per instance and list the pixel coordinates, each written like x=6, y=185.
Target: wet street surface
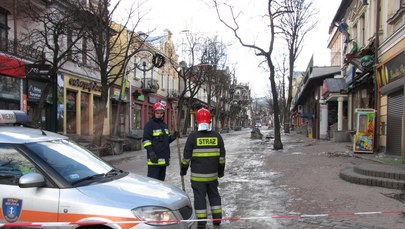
x=266, y=188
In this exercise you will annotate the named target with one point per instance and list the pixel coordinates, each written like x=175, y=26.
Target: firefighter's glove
x=220, y=173
x=221, y=169
x=174, y=136
x=153, y=157
x=183, y=170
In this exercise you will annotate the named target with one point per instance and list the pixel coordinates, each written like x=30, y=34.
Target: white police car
x=49, y=181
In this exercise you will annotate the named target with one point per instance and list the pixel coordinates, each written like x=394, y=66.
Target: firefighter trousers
x=157, y=172
x=201, y=190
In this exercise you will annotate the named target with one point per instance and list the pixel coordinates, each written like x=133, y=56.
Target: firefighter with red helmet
x=204, y=153
x=156, y=141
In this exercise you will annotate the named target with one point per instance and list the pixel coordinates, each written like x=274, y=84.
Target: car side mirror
x=31, y=180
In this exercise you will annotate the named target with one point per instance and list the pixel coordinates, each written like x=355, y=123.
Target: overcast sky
x=198, y=17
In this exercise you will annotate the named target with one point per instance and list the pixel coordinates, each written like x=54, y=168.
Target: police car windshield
x=72, y=162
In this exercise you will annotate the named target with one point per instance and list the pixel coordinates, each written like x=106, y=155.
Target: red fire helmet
x=158, y=106
x=203, y=116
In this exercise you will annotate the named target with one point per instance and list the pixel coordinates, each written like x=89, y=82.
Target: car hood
x=135, y=190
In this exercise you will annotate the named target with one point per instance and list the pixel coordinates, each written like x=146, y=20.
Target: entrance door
x=394, y=123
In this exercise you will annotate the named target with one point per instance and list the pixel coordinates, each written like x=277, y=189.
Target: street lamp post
x=144, y=72
x=145, y=64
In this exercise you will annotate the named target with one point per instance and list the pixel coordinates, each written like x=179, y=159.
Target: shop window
x=395, y=67
x=150, y=113
x=9, y=93
x=137, y=117
x=84, y=107
x=71, y=112
x=96, y=111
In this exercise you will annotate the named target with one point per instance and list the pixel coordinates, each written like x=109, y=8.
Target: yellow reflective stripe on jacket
x=157, y=133
x=199, y=150
x=207, y=154
x=147, y=143
x=222, y=160
x=160, y=162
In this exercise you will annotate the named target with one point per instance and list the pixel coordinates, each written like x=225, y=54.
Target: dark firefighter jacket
x=205, y=153
x=156, y=138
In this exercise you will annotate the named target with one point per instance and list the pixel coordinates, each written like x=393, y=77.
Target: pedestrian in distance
x=156, y=141
x=204, y=153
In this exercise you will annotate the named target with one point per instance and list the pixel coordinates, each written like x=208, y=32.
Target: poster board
x=363, y=141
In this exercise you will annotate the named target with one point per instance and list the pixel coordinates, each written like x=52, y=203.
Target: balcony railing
x=21, y=50
x=149, y=86
x=173, y=94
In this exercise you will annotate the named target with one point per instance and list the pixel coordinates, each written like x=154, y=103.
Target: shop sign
x=89, y=86
x=367, y=61
x=11, y=67
x=349, y=74
x=115, y=94
x=153, y=99
x=35, y=89
x=37, y=71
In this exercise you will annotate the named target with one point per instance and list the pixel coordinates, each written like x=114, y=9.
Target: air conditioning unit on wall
x=300, y=109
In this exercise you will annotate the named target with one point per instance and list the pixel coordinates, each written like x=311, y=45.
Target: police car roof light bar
x=13, y=117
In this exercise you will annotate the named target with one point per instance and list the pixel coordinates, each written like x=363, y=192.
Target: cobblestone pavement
x=310, y=170
x=301, y=179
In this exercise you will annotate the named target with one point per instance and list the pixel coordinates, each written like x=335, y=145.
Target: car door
x=34, y=204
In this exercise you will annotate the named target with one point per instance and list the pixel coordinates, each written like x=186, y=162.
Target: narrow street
x=266, y=187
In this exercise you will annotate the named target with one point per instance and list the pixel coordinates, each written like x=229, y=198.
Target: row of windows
x=3, y=29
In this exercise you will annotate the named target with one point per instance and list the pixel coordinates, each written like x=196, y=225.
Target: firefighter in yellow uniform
x=204, y=152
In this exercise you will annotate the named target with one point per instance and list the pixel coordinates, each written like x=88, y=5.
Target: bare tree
x=192, y=75
x=47, y=32
x=213, y=61
x=275, y=9
x=295, y=26
x=281, y=74
x=110, y=46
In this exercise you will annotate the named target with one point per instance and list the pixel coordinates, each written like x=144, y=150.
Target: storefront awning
x=12, y=67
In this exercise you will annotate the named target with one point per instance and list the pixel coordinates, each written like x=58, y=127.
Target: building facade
x=367, y=42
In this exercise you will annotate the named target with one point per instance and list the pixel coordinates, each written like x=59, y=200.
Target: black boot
x=217, y=223
x=201, y=226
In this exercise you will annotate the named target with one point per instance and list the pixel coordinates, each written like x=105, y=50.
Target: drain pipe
x=376, y=87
